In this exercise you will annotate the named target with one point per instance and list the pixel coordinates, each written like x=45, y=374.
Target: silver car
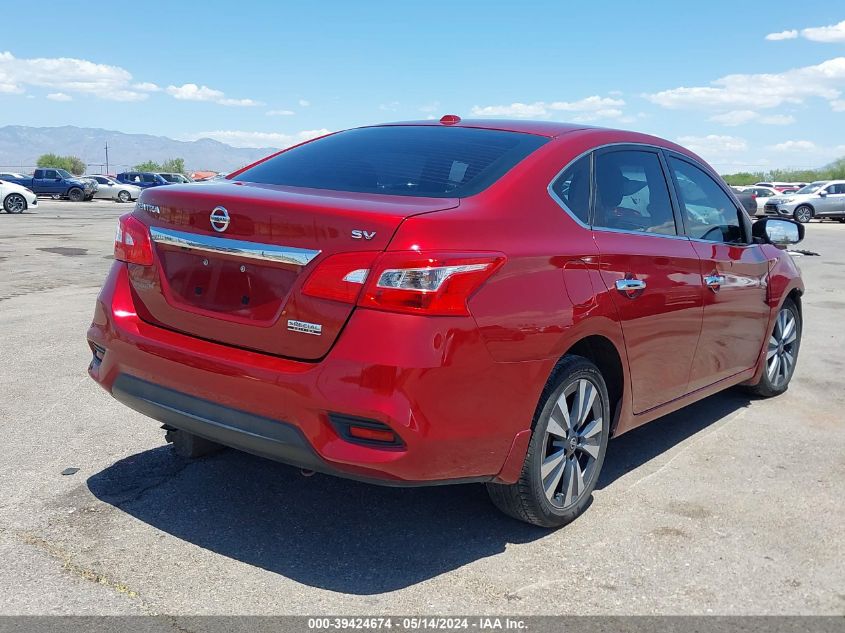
x=820, y=199
x=114, y=190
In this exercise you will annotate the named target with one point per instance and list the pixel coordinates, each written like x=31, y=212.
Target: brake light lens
x=404, y=281
x=132, y=241
x=428, y=283
x=340, y=277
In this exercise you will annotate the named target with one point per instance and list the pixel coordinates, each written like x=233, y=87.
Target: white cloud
x=193, y=92
x=828, y=34
x=588, y=109
x=794, y=146
x=239, y=138
x=783, y=35
x=393, y=106
x=434, y=106
x=734, y=118
x=146, y=86
x=714, y=147
x=759, y=91
x=59, y=96
x=280, y=113
x=304, y=103
x=68, y=75
x=777, y=119
x=838, y=105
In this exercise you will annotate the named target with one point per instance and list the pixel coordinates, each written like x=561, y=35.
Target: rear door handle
x=714, y=282
x=631, y=288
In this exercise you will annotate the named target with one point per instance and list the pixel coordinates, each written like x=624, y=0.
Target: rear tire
x=781, y=353
x=803, y=214
x=75, y=195
x=191, y=446
x=566, y=450
x=14, y=203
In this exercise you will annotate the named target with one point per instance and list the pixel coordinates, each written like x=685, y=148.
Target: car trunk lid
x=230, y=260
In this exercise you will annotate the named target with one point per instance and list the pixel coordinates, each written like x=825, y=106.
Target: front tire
x=803, y=214
x=75, y=195
x=781, y=352
x=123, y=196
x=566, y=451
x=14, y=203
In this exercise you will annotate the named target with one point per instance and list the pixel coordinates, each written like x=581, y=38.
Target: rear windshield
x=423, y=161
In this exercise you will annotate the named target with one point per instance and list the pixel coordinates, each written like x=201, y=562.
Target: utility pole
x=107, y=157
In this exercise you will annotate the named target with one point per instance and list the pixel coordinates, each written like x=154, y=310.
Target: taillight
x=340, y=277
x=132, y=241
x=404, y=281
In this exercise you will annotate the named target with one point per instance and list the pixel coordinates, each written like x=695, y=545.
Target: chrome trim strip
x=236, y=248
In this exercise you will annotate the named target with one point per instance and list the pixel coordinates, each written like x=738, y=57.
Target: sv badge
x=358, y=234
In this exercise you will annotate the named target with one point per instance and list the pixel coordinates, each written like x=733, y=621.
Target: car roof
x=541, y=128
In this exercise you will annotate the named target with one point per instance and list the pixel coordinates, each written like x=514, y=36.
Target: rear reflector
x=404, y=281
x=132, y=241
x=361, y=431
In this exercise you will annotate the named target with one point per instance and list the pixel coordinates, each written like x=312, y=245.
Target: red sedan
x=444, y=302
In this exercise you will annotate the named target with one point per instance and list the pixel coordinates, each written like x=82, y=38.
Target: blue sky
x=749, y=85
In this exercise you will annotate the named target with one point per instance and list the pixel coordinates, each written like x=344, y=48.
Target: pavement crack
x=75, y=569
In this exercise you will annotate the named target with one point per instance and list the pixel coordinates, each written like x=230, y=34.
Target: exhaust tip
x=306, y=472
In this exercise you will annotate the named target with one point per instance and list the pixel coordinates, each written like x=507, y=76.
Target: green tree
x=170, y=166
x=73, y=164
x=148, y=166
x=174, y=166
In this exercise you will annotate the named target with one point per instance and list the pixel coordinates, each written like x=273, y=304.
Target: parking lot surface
x=731, y=506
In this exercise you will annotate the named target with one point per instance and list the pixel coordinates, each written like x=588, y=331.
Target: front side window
x=406, y=160
x=709, y=213
x=632, y=194
x=572, y=188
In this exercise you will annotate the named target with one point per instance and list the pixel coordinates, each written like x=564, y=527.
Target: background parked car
x=142, y=179
x=782, y=186
x=58, y=183
x=761, y=194
x=821, y=199
x=175, y=178
x=15, y=198
x=111, y=189
x=748, y=200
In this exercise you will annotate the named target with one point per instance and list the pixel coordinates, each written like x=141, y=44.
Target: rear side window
x=632, y=194
x=572, y=189
x=709, y=213
x=423, y=161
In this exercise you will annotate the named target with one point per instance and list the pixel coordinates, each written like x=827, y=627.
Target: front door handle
x=714, y=282
x=631, y=288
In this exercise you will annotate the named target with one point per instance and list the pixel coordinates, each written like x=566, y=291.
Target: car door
x=44, y=181
x=834, y=201
x=650, y=268
x=734, y=274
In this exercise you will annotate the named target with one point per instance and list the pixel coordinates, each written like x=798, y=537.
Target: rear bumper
x=432, y=381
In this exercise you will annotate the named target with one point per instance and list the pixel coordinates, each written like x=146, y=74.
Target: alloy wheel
x=572, y=443
x=15, y=203
x=780, y=354
x=803, y=214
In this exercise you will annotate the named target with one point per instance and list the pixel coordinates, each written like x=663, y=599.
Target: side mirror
x=777, y=231
x=822, y=193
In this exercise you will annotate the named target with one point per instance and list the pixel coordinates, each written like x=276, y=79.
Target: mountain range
x=20, y=147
